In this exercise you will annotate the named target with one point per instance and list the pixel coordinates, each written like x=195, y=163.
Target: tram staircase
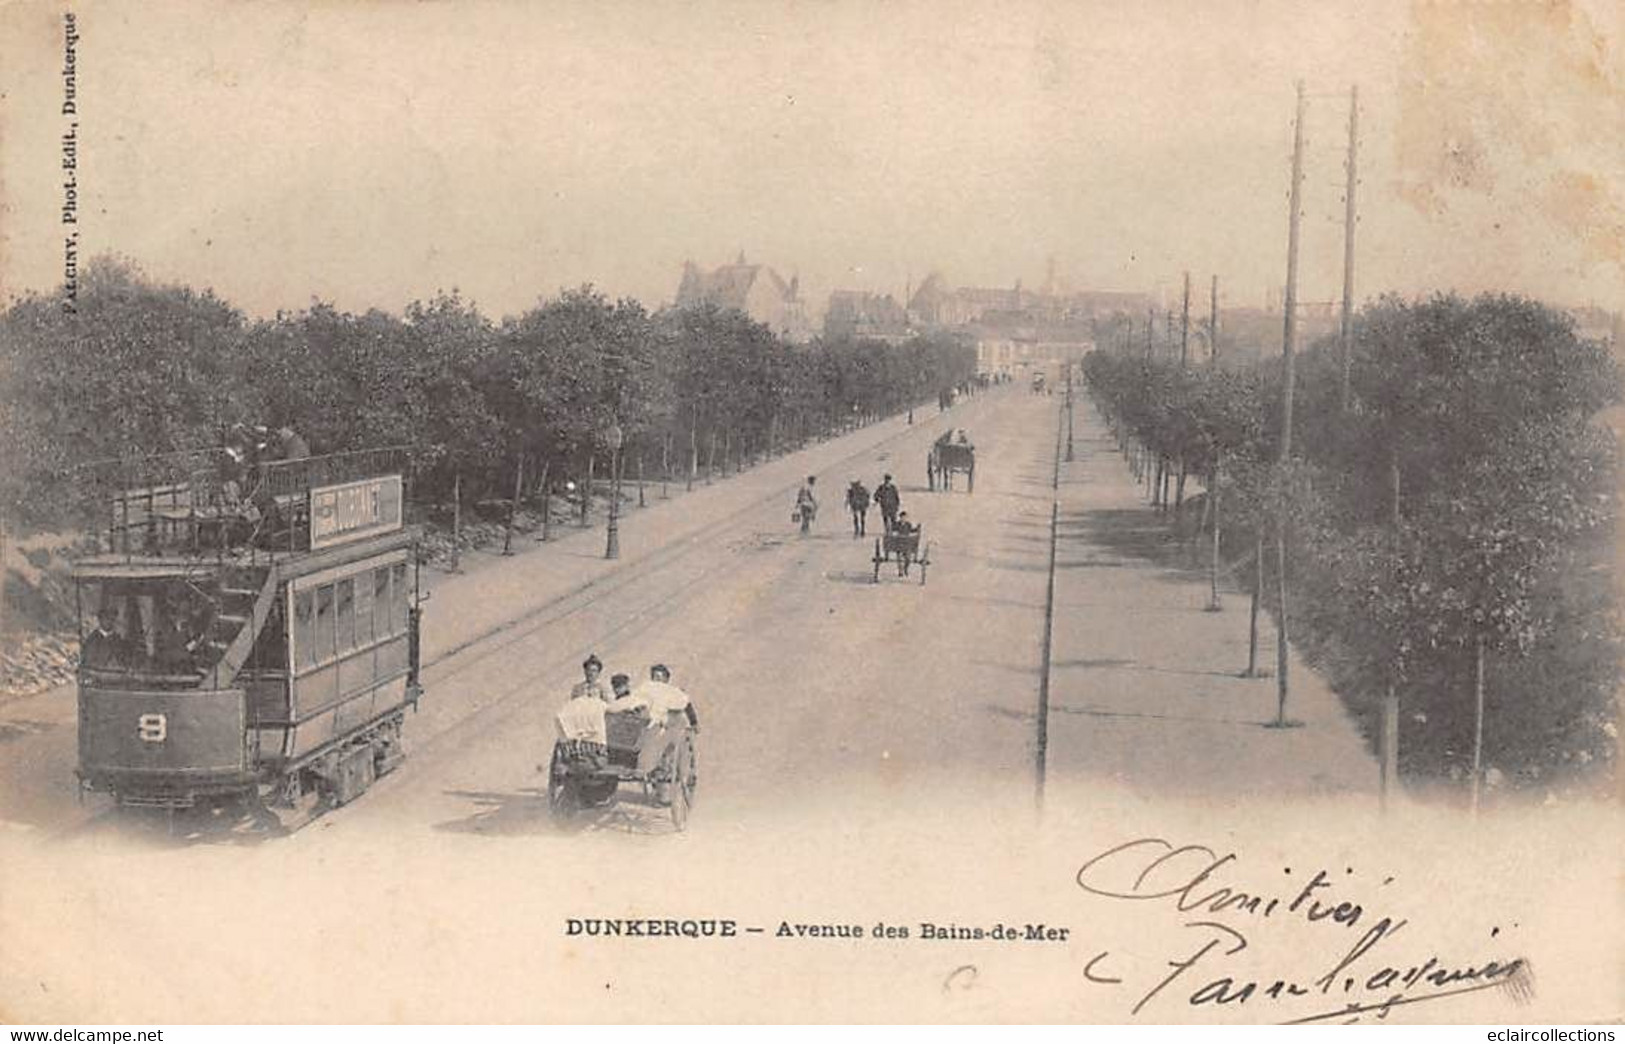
x=247, y=592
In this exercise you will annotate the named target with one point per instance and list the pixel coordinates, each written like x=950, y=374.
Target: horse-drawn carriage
x=655, y=752
x=950, y=454
x=904, y=547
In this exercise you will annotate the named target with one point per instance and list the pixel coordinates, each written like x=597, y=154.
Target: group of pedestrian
x=858, y=500
x=885, y=497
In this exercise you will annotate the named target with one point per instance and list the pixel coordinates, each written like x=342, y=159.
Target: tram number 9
x=152, y=728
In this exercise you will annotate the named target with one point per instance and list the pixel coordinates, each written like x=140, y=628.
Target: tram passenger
x=176, y=644
x=104, y=649
x=289, y=446
x=174, y=648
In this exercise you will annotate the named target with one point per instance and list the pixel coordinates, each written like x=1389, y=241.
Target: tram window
x=304, y=626
x=398, y=593
x=380, y=601
x=345, y=616
x=114, y=648
x=324, y=623
x=363, y=610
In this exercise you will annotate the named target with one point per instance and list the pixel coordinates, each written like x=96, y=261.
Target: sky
x=370, y=154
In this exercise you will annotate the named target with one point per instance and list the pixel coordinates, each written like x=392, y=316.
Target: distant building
x=1015, y=342
x=1016, y=329
x=936, y=303
x=756, y=290
x=858, y=314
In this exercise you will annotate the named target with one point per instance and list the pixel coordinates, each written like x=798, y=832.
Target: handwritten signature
x=1191, y=883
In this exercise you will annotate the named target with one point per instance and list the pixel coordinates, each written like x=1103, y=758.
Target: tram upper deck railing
x=201, y=502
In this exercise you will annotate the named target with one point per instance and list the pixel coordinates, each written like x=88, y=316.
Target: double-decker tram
x=249, y=631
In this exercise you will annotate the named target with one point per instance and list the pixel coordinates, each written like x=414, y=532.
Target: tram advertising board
x=352, y=510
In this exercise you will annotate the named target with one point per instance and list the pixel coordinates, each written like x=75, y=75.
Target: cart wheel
x=682, y=787
x=970, y=480
x=562, y=799
x=691, y=775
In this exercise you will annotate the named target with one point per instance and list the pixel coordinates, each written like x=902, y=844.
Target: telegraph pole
x=1348, y=248
x=1288, y=348
x=1213, y=325
x=1213, y=604
x=1185, y=326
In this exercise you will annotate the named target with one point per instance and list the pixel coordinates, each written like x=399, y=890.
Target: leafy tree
x=137, y=369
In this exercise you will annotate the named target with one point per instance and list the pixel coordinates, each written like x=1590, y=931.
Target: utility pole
x=1213, y=325
x=1288, y=349
x=1214, y=605
x=1069, y=456
x=1348, y=248
x=1185, y=326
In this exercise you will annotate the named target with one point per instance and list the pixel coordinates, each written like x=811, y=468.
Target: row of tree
x=1449, y=527
x=140, y=369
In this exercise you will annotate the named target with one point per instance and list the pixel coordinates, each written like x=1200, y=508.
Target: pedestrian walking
x=888, y=500
x=806, y=506
x=857, y=501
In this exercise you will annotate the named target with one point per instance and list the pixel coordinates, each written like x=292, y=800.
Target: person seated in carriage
x=657, y=696
x=906, y=535
x=581, y=720
x=591, y=685
x=960, y=438
x=663, y=693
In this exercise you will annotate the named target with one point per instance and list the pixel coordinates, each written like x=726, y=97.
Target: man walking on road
x=806, y=506
x=857, y=501
x=888, y=500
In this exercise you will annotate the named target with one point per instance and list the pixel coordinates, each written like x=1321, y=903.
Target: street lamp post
x=614, y=437
x=1069, y=413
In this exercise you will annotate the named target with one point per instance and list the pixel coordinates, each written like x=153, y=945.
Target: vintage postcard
x=782, y=512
